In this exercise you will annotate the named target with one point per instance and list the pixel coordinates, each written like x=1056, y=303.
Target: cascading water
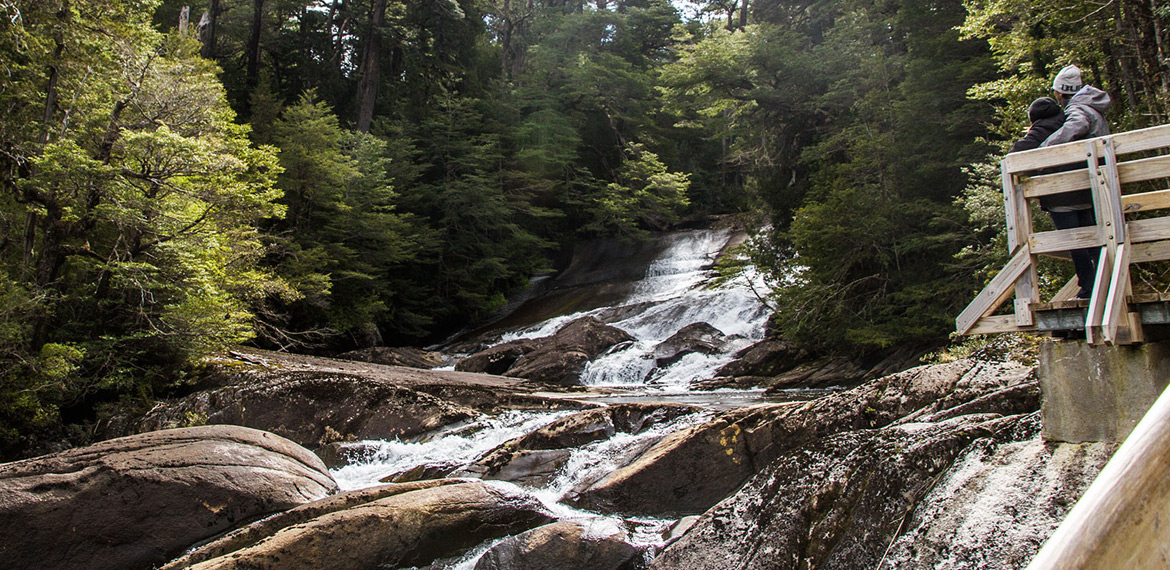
x=679, y=289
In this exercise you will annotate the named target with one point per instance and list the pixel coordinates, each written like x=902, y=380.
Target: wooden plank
x=996, y=292
x=1067, y=291
x=1095, y=314
x=1128, y=173
x=1116, y=314
x=997, y=324
x=1120, y=521
x=1048, y=184
x=1125, y=143
x=1064, y=240
x=1150, y=251
x=1142, y=139
x=1011, y=208
x=1112, y=181
x=1146, y=201
x=1036, y=159
x=1133, y=333
x=1153, y=229
x=1144, y=169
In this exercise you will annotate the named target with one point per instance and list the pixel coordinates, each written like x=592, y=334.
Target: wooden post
x=1107, y=231
x=1019, y=229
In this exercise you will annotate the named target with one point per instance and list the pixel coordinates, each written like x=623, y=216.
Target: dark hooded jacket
x=1047, y=117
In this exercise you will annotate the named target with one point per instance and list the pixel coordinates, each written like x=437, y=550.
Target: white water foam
x=458, y=447
x=680, y=288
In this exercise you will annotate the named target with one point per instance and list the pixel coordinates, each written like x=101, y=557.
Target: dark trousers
x=1084, y=260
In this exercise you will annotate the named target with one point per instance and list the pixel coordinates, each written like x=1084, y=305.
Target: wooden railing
x=1112, y=164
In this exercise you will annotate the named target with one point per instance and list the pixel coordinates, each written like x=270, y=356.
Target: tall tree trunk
x=30, y=221
x=743, y=15
x=208, y=33
x=370, y=67
x=252, y=51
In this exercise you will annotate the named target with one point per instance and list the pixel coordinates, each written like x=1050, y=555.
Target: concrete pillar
x=1099, y=393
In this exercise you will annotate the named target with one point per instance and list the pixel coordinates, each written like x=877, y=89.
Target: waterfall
x=679, y=288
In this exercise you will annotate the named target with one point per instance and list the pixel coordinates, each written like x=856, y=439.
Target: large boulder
x=562, y=545
x=384, y=527
x=396, y=356
x=497, y=359
x=315, y=408
x=691, y=470
x=534, y=458
x=138, y=501
x=685, y=473
x=562, y=358
x=556, y=359
x=696, y=337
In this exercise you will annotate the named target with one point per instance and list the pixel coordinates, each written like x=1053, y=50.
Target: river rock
x=562, y=545
x=691, y=470
x=685, y=473
x=695, y=337
x=136, y=502
x=556, y=359
x=561, y=358
x=769, y=357
x=315, y=408
x=497, y=359
x=386, y=527
x=535, y=457
x=396, y=356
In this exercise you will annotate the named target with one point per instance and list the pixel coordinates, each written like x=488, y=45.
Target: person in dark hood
x=1084, y=110
x=1047, y=117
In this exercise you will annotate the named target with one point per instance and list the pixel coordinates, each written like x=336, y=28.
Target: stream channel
x=678, y=287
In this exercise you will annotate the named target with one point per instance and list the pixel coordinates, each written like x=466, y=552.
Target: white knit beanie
x=1068, y=81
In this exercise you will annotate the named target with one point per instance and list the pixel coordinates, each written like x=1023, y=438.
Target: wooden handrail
x=1121, y=521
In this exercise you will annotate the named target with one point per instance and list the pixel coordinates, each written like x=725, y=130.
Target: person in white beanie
x=1084, y=109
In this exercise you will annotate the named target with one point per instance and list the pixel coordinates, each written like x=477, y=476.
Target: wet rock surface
x=396, y=356
x=937, y=467
x=557, y=359
x=778, y=365
x=696, y=337
x=693, y=469
x=397, y=526
x=138, y=501
x=534, y=458
x=314, y=408
x=562, y=545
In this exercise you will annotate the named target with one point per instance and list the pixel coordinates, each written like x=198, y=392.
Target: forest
x=320, y=175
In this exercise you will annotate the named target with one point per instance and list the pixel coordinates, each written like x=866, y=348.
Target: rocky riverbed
x=938, y=466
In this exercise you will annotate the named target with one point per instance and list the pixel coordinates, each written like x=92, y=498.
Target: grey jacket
x=1085, y=117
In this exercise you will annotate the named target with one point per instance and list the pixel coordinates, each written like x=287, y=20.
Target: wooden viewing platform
x=1124, y=173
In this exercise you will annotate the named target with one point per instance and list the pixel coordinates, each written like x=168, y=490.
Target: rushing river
x=679, y=288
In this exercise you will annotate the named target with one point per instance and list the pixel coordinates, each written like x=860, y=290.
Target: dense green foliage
x=326, y=174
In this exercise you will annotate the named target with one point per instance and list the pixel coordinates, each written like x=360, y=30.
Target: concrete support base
x=1099, y=393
